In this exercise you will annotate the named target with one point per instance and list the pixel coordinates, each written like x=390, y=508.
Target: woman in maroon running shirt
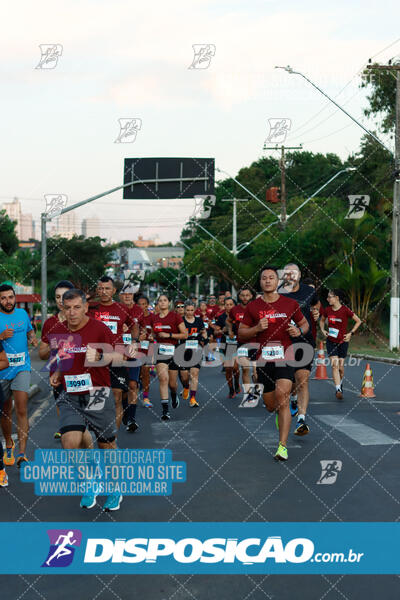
x=337, y=339
x=168, y=328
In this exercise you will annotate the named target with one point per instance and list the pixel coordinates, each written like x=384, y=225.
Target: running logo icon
x=329, y=471
x=63, y=543
x=203, y=54
x=252, y=395
x=278, y=130
x=50, y=53
x=128, y=129
x=203, y=206
x=55, y=204
x=357, y=207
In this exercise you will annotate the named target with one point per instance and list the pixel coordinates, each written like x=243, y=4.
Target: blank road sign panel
x=163, y=178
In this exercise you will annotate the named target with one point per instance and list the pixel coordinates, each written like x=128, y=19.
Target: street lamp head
x=351, y=169
x=288, y=68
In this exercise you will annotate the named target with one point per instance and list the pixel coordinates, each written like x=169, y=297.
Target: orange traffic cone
x=367, y=387
x=321, y=372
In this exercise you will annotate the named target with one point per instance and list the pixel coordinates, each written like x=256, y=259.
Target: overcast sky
x=130, y=60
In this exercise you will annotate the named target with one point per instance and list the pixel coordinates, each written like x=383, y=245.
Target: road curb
x=392, y=361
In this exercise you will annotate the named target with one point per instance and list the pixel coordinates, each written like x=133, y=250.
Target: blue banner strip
x=200, y=548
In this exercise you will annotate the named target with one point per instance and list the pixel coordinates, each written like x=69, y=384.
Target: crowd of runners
x=105, y=356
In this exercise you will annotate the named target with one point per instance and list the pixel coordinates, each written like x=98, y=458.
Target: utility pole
x=234, y=229
x=395, y=264
x=197, y=289
x=282, y=166
x=211, y=285
x=395, y=290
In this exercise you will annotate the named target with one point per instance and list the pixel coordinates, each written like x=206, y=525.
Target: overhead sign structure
x=164, y=178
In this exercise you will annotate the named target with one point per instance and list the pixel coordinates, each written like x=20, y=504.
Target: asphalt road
x=231, y=476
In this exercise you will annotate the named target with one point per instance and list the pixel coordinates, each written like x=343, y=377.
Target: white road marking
x=363, y=434
x=40, y=410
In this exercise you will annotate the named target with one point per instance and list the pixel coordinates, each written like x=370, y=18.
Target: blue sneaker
x=294, y=409
x=88, y=501
x=112, y=502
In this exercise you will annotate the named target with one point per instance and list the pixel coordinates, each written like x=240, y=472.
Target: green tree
x=8, y=237
x=382, y=97
x=78, y=259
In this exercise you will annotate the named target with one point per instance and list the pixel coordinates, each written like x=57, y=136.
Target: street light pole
x=43, y=224
x=292, y=72
x=245, y=244
x=234, y=229
x=395, y=263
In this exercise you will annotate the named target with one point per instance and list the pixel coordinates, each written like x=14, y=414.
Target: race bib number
x=166, y=350
x=78, y=383
x=126, y=338
x=112, y=325
x=16, y=360
x=243, y=352
x=144, y=344
x=97, y=398
x=273, y=353
x=333, y=332
x=191, y=344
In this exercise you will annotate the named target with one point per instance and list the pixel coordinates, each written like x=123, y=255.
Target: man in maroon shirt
x=337, y=339
x=269, y=320
x=212, y=307
x=87, y=400
x=115, y=317
x=44, y=348
x=236, y=315
x=136, y=316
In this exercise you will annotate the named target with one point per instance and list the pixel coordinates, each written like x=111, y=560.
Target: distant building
x=24, y=228
x=149, y=259
x=91, y=227
x=141, y=243
x=64, y=226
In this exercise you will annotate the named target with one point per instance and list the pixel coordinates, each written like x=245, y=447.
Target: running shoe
x=21, y=460
x=132, y=426
x=185, y=394
x=175, y=402
x=339, y=394
x=294, y=409
x=57, y=435
x=281, y=453
x=302, y=428
x=165, y=416
x=88, y=501
x=3, y=478
x=232, y=393
x=112, y=502
x=277, y=420
x=8, y=456
x=147, y=404
x=193, y=403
